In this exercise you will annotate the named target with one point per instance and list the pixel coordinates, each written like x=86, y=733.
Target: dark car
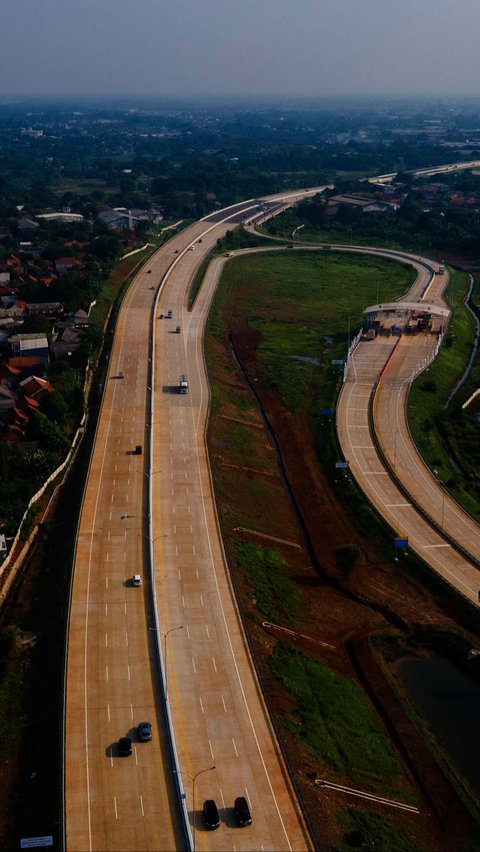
x=210, y=813
x=124, y=746
x=242, y=811
x=138, y=450
x=149, y=271
x=144, y=732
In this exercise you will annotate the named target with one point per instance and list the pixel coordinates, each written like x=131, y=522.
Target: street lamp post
x=193, y=778
x=165, y=635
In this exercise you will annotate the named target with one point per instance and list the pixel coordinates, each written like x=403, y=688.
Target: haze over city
x=317, y=48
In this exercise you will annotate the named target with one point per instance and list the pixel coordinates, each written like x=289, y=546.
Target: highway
x=393, y=362
x=112, y=682
x=161, y=504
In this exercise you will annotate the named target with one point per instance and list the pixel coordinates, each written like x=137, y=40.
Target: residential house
x=26, y=364
x=26, y=224
x=7, y=399
x=45, y=309
x=35, y=387
x=63, y=264
x=66, y=342
x=24, y=345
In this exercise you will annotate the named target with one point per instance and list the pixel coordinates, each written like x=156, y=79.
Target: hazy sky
x=240, y=47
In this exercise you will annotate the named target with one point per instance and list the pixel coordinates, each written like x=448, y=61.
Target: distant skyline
x=240, y=48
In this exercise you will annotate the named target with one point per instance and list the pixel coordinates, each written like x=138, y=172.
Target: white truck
x=183, y=384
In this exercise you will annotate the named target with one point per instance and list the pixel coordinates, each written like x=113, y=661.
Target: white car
x=136, y=580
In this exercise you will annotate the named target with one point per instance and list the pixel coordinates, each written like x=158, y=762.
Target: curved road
x=396, y=361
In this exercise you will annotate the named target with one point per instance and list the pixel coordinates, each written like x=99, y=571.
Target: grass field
x=85, y=186
x=303, y=305
x=337, y=724
x=364, y=830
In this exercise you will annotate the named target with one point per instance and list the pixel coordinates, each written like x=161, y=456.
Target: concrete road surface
x=404, y=357
x=130, y=803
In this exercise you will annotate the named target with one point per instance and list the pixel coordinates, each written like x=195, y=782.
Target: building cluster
x=24, y=361
x=389, y=197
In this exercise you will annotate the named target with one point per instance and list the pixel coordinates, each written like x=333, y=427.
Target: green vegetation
x=14, y=654
x=267, y=576
x=336, y=723
x=415, y=225
x=365, y=830
x=301, y=304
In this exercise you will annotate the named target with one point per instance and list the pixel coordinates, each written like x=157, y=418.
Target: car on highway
x=210, y=814
x=124, y=746
x=242, y=811
x=136, y=580
x=144, y=731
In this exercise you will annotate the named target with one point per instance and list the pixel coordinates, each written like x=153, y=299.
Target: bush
x=346, y=558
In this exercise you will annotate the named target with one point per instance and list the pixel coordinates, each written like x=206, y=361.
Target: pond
x=449, y=700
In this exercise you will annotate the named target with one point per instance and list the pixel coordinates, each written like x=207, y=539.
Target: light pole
x=165, y=635
x=156, y=630
x=193, y=778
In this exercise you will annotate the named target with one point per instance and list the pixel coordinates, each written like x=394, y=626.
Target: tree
x=346, y=557
x=50, y=435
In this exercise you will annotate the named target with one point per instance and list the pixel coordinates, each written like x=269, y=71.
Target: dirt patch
x=336, y=615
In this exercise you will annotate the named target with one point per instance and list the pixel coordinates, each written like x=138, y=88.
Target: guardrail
x=161, y=663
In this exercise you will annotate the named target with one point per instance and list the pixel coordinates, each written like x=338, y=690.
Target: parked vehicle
x=183, y=383
x=210, y=814
x=138, y=450
x=169, y=314
x=177, y=330
x=136, y=580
